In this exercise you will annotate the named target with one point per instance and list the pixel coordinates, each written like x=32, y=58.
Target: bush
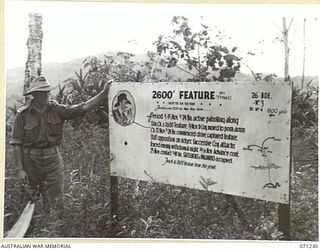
x=305, y=107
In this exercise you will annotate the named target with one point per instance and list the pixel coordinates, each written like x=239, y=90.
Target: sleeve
x=18, y=130
x=71, y=112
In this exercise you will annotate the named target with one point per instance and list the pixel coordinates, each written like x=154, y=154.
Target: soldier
x=36, y=134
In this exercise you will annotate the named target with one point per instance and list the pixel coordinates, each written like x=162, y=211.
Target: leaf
x=230, y=57
x=203, y=185
x=211, y=182
x=173, y=61
x=277, y=235
x=203, y=180
x=204, y=26
x=144, y=222
x=177, y=45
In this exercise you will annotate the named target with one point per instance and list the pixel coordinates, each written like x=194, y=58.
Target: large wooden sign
x=231, y=138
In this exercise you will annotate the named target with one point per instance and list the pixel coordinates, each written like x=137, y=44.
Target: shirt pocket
x=54, y=126
x=31, y=129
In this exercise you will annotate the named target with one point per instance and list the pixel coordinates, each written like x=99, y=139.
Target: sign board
x=232, y=138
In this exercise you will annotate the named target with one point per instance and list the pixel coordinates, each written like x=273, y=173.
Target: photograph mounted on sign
x=123, y=108
x=228, y=138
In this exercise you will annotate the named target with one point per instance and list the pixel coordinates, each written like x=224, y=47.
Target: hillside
x=57, y=73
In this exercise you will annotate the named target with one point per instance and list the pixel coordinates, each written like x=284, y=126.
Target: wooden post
x=284, y=209
x=113, y=203
x=114, y=197
x=284, y=220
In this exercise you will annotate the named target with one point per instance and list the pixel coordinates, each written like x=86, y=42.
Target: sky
x=74, y=30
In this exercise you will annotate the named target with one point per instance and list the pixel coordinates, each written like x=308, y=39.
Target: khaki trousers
x=45, y=173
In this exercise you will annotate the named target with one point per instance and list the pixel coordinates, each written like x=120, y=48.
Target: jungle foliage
x=152, y=210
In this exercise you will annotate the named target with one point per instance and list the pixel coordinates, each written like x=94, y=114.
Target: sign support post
x=284, y=220
x=113, y=203
x=284, y=209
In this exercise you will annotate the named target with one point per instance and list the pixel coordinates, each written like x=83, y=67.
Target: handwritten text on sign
x=232, y=138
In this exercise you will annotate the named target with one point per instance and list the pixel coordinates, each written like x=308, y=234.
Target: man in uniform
x=36, y=134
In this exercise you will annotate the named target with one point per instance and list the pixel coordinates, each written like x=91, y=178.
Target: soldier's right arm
x=21, y=174
x=73, y=111
x=16, y=142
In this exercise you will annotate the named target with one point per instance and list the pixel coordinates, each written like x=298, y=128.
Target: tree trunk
x=34, y=44
x=286, y=49
x=304, y=52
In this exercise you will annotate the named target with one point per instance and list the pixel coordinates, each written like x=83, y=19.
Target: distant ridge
x=57, y=73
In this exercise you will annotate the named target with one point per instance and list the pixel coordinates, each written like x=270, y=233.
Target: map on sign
x=231, y=138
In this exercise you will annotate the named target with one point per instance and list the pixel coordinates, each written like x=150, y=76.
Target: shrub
x=305, y=107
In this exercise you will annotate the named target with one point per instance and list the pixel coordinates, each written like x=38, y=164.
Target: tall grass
x=152, y=210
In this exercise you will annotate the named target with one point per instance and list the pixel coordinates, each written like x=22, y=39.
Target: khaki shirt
x=33, y=129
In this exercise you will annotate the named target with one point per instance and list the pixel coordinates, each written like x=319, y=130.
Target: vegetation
x=204, y=58
x=153, y=210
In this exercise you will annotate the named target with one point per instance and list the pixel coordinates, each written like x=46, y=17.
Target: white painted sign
x=231, y=138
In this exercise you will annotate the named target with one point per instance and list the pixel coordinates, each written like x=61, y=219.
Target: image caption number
x=162, y=94
x=308, y=245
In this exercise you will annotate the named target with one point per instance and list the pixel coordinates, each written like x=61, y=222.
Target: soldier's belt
x=41, y=151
